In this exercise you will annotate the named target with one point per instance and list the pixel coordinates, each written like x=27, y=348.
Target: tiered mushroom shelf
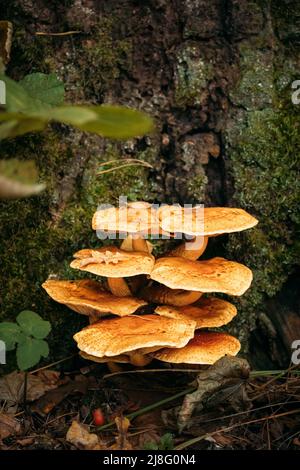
x=156, y=308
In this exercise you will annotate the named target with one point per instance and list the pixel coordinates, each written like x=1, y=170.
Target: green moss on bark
x=265, y=158
x=192, y=75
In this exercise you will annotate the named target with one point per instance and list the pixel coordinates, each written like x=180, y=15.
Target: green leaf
x=151, y=445
x=42, y=346
x=46, y=88
x=33, y=325
x=17, y=98
x=24, y=171
x=73, y=115
x=108, y=121
x=20, y=126
x=29, y=108
x=36, y=92
x=166, y=442
x=30, y=351
x=18, y=178
x=11, y=189
x=9, y=333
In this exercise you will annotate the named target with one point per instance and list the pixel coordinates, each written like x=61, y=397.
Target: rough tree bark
x=216, y=76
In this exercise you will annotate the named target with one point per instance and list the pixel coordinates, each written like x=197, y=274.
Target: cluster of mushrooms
x=156, y=308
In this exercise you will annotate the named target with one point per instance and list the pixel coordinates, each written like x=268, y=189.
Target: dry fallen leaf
x=79, y=435
x=27, y=441
x=223, y=382
x=149, y=428
x=12, y=386
x=122, y=442
x=52, y=398
x=8, y=425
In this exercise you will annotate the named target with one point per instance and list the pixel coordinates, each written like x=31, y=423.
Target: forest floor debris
x=229, y=407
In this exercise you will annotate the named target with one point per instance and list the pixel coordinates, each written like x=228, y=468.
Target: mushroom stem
x=174, y=297
x=139, y=244
x=191, y=249
x=182, y=298
x=138, y=359
x=118, y=286
x=114, y=367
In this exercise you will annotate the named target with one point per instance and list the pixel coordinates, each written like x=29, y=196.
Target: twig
x=125, y=163
x=53, y=364
x=190, y=442
x=252, y=410
x=25, y=388
x=66, y=33
x=142, y=371
x=62, y=416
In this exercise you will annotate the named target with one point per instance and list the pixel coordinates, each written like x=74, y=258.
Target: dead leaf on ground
x=222, y=440
x=296, y=441
x=12, y=386
x=149, y=428
x=225, y=381
x=27, y=441
x=8, y=426
x=122, y=442
x=52, y=398
x=79, y=435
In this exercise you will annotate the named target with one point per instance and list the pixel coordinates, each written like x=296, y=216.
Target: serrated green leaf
x=30, y=94
x=17, y=98
x=33, y=325
x=46, y=88
x=30, y=351
x=9, y=333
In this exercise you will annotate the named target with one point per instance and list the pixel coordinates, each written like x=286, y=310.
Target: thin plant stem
x=53, y=363
x=25, y=388
x=148, y=408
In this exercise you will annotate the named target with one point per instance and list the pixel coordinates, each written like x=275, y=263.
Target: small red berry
x=98, y=417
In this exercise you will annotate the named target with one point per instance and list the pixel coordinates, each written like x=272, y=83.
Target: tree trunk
x=216, y=76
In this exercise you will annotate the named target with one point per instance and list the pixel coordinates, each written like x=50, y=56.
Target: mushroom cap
x=209, y=312
x=88, y=297
x=135, y=217
x=113, y=262
x=204, y=221
x=205, y=348
x=214, y=275
x=125, y=334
